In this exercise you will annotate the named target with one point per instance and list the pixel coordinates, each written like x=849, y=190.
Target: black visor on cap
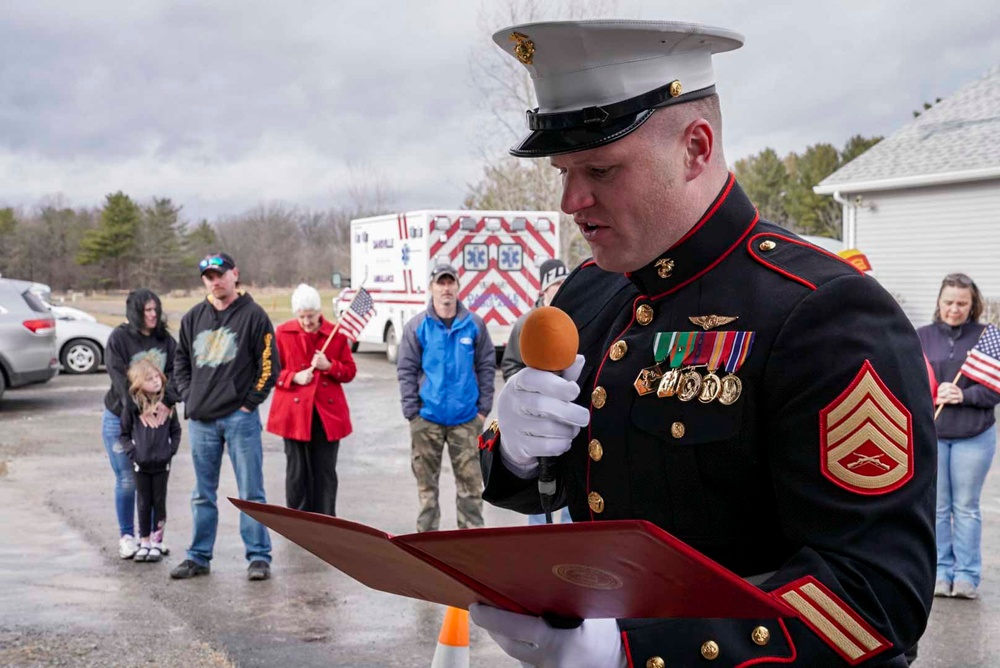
x=583, y=129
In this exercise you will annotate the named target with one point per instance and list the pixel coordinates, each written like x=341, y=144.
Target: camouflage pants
x=428, y=440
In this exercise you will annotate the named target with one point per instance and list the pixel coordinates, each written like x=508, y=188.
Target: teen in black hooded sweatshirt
x=143, y=336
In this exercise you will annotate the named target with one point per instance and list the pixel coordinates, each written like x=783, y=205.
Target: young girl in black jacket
x=150, y=448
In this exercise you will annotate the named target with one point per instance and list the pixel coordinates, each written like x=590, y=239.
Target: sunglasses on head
x=211, y=262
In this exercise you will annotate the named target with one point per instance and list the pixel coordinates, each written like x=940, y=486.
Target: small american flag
x=983, y=363
x=357, y=315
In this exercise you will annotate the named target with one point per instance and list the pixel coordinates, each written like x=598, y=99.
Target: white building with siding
x=925, y=202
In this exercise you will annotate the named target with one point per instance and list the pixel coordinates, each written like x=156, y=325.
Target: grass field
x=109, y=308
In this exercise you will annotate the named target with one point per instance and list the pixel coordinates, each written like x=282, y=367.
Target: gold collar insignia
x=664, y=267
x=708, y=322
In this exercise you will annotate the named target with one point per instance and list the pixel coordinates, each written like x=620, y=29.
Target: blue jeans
x=962, y=467
x=540, y=517
x=111, y=428
x=241, y=432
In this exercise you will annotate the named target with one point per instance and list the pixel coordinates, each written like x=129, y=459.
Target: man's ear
x=699, y=145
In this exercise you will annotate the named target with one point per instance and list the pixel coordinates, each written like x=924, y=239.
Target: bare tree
x=506, y=89
x=369, y=191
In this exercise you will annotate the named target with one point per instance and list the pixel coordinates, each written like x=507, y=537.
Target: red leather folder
x=618, y=568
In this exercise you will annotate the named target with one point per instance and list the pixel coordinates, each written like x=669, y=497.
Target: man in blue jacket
x=446, y=369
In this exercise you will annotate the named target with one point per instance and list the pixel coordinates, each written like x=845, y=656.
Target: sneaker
x=142, y=554
x=154, y=554
x=963, y=589
x=127, y=547
x=188, y=569
x=259, y=570
x=942, y=589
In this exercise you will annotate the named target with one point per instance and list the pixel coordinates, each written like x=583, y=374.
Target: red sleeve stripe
x=833, y=621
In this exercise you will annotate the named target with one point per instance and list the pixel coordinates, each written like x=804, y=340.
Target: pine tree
x=198, y=242
x=160, y=257
x=112, y=245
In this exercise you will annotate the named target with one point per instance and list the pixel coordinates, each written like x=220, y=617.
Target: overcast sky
x=225, y=105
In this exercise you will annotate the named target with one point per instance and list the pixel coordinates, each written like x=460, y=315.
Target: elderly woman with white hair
x=309, y=408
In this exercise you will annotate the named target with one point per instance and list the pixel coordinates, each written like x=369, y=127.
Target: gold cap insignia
x=524, y=49
x=675, y=88
x=664, y=267
x=708, y=322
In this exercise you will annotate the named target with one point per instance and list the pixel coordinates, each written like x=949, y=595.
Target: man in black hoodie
x=225, y=367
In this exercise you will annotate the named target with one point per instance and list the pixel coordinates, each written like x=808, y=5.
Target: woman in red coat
x=309, y=409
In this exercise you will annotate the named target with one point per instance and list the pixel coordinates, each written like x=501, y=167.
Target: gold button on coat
x=595, y=450
x=644, y=314
x=767, y=245
x=710, y=650
x=655, y=662
x=618, y=350
x=761, y=636
x=596, y=502
x=599, y=397
x=677, y=430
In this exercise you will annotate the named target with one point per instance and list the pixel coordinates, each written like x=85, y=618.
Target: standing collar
x=720, y=230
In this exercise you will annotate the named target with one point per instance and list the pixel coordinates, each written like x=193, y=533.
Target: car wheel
x=80, y=356
x=391, y=345
x=3, y=384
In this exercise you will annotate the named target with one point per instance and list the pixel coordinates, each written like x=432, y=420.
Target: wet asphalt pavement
x=66, y=599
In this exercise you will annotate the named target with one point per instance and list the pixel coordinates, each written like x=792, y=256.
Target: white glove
x=596, y=643
x=538, y=418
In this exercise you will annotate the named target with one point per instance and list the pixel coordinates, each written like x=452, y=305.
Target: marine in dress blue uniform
x=813, y=474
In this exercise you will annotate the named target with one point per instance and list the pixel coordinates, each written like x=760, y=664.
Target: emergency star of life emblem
x=866, y=436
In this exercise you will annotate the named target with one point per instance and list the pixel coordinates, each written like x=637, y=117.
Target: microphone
x=549, y=342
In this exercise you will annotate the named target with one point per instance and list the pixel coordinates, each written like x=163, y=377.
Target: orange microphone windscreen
x=549, y=339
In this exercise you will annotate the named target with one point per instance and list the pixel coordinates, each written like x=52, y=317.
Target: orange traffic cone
x=453, y=641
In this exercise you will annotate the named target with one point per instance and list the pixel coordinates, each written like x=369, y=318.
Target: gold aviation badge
x=867, y=437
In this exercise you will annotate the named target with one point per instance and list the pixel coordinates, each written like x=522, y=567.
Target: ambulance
x=497, y=255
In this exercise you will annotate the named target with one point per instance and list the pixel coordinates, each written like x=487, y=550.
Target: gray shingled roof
x=959, y=134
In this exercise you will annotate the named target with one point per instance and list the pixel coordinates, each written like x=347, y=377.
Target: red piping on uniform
x=588, y=263
x=597, y=376
x=825, y=252
x=708, y=214
x=711, y=212
x=764, y=262
x=711, y=266
x=628, y=650
x=774, y=659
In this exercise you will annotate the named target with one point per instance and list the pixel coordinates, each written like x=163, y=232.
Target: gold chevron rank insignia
x=866, y=437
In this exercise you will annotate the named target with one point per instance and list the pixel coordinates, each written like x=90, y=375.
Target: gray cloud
x=222, y=105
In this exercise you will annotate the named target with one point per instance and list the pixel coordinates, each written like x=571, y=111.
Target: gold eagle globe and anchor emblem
x=524, y=48
x=664, y=267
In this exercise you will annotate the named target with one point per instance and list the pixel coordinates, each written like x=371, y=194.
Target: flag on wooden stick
x=983, y=363
x=357, y=315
